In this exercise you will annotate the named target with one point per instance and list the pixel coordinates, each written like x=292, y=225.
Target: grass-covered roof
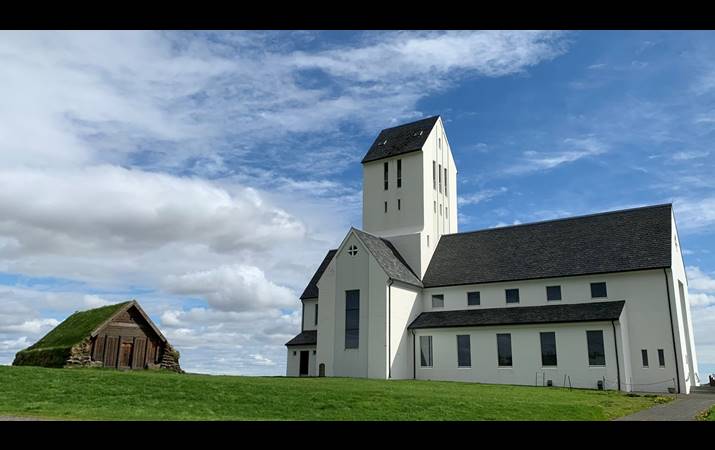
x=54, y=347
x=77, y=327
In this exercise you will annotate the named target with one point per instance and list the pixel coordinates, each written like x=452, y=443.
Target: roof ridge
x=411, y=123
x=583, y=216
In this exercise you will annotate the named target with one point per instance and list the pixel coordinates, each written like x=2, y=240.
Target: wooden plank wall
x=128, y=329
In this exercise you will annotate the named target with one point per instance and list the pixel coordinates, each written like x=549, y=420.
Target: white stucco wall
x=646, y=306
x=405, y=304
x=571, y=349
x=326, y=318
x=309, y=306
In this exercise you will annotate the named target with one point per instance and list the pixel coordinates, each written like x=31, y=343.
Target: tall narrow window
x=435, y=206
x=512, y=295
x=385, y=165
x=445, y=181
x=446, y=212
x=399, y=173
x=426, y=351
x=440, y=210
x=428, y=240
x=548, y=349
x=439, y=141
x=596, y=354
x=399, y=204
x=434, y=175
x=661, y=357
x=504, y=350
x=438, y=301
x=352, y=319
x=316, y=314
x=385, y=206
x=644, y=357
x=464, y=351
x=439, y=179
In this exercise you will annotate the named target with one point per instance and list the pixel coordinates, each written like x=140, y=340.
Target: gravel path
x=684, y=407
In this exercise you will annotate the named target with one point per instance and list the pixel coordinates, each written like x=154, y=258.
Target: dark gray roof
x=618, y=241
x=308, y=337
x=389, y=258
x=311, y=291
x=521, y=315
x=400, y=139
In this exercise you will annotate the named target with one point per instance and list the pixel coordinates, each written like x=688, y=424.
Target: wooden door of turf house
x=125, y=353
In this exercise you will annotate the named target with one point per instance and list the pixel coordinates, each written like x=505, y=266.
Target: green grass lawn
x=142, y=395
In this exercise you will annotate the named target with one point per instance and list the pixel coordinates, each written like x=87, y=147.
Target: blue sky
x=206, y=173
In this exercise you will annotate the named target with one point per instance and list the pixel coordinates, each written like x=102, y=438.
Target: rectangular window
x=399, y=204
x=439, y=141
x=434, y=175
x=399, y=173
x=596, y=353
x=439, y=175
x=385, y=176
x=548, y=349
x=598, y=290
x=316, y=314
x=352, y=319
x=426, y=351
x=661, y=357
x=504, y=350
x=385, y=206
x=644, y=357
x=438, y=301
x=553, y=293
x=464, y=351
x=435, y=206
x=473, y=298
x=512, y=295
x=428, y=240
x=446, y=212
x=440, y=210
x=445, y=181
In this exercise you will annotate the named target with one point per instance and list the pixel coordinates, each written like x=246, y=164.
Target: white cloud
x=232, y=288
x=685, y=156
x=699, y=280
x=573, y=149
x=480, y=196
x=694, y=214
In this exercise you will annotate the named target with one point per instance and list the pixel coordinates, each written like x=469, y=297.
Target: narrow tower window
x=434, y=175
x=445, y=181
x=399, y=173
x=439, y=174
x=385, y=176
x=386, y=207
x=399, y=204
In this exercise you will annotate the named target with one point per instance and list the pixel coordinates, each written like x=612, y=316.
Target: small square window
x=512, y=295
x=438, y=301
x=294, y=352
x=598, y=290
x=553, y=292
x=473, y=298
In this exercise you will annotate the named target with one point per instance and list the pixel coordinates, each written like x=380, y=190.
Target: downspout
x=618, y=367
x=672, y=330
x=414, y=356
x=389, y=328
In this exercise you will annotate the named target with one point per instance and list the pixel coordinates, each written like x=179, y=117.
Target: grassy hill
x=143, y=395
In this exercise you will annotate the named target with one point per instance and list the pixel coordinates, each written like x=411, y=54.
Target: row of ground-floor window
x=566, y=355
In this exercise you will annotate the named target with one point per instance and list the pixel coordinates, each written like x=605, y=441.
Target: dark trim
x=302, y=317
x=392, y=156
x=544, y=278
x=618, y=366
x=672, y=329
x=511, y=324
x=389, y=329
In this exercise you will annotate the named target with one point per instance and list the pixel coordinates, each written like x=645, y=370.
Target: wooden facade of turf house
x=117, y=336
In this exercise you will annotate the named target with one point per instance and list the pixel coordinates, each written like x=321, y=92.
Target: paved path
x=684, y=407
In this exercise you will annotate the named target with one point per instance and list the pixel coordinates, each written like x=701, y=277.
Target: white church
x=597, y=301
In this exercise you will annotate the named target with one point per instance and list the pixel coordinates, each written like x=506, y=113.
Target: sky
x=206, y=174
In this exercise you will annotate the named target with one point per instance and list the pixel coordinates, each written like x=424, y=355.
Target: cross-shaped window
x=352, y=250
